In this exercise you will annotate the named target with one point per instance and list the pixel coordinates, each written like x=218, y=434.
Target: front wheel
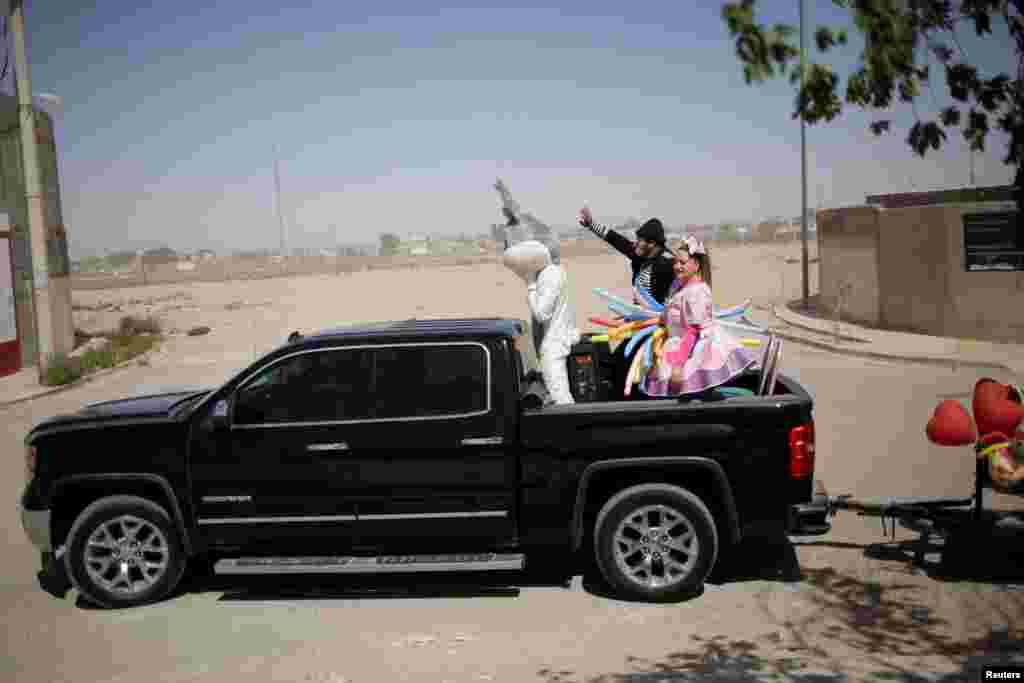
x=124, y=551
x=655, y=542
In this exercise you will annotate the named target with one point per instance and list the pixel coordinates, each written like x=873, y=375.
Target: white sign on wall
x=8, y=324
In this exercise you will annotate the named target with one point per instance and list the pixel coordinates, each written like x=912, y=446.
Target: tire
x=679, y=513
x=110, y=523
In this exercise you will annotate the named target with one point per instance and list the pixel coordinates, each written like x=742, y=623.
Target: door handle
x=327, y=447
x=484, y=441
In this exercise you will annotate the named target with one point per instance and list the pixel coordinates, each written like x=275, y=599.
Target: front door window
x=310, y=387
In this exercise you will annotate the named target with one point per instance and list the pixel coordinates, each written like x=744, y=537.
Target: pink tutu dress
x=698, y=354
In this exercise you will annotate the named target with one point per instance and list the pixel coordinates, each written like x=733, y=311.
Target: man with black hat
x=651, y=262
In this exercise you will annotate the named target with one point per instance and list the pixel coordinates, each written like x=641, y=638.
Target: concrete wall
x=13, y=201
x=63, y=318
x=914, y=257
x=907, y=270
x=848, y=266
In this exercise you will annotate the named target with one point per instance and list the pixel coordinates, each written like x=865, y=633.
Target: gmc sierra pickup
x=415, y=446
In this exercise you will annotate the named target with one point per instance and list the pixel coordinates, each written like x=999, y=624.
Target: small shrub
x=130, y=347
x=96, y=360
x=60, y=369
x=131, y=325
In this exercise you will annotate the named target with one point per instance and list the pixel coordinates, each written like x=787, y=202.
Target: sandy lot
x=262, y=312
x=759, y=622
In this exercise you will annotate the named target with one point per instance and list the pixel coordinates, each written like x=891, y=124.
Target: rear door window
x=435, y=380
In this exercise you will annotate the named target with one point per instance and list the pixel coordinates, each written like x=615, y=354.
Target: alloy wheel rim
x=656, y=546
x=126, y=555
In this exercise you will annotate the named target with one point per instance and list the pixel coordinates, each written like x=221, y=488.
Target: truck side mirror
x=219, y=416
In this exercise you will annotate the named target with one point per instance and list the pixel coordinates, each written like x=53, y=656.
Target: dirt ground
x=789, y=610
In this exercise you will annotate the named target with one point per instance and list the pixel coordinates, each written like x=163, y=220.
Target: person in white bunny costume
x=552, y=317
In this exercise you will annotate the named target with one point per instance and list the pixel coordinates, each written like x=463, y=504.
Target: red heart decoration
x=992, y=438
x=985, y=388
x=994, y=407
x=951, y=425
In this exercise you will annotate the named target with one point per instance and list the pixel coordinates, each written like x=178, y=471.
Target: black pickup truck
x=415, y=446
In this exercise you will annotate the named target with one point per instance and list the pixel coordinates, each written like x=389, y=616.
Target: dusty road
x=760, y=624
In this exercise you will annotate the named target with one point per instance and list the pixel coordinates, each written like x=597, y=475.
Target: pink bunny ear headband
x=693, y=245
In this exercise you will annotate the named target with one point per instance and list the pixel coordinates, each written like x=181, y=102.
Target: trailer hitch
x=896, y=510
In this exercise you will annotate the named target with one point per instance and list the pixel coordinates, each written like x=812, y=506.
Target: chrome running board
x=385, y=564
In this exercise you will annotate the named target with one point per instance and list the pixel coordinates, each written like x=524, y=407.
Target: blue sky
x=390, y=117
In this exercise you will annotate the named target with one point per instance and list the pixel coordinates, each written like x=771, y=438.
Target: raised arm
x=523, y=225
x=622, y=245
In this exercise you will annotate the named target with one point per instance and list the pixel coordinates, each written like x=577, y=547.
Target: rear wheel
x=124, y=551
x=655, y=542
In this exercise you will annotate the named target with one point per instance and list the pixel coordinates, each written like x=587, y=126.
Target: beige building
x=940, y=263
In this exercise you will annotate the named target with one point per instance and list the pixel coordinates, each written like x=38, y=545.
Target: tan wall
x=914, y=255
x=848, y=252
x=914, y=279
x=60, y=307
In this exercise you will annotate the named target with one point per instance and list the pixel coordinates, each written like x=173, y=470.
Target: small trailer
x=968, y=528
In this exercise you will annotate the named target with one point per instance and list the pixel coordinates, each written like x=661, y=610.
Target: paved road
x=870, y=417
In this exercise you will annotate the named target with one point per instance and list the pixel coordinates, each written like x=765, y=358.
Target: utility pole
x=33, y=194
x=337, y=250
x=280, y=210
x=805, y=258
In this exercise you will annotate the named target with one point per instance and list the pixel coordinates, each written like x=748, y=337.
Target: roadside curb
x=921, y=360
x=879, y=355
x=81, y=380
x=791, y=319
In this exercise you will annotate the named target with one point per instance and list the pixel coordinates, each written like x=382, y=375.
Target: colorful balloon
x=639, y=337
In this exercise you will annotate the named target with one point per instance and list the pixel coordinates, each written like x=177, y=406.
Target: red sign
x=10, y=344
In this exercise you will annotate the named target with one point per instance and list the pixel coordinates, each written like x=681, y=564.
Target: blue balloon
x=649, y=353
x=638, y=337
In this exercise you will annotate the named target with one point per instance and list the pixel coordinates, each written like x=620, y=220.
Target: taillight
x=30, y=462
x=801, y=451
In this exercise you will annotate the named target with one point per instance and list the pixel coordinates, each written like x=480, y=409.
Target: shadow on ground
x=988, y=561
x=836, y=638
x=847, y=630
x=719, y=659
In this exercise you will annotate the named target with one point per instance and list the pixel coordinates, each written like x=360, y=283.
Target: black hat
x=652, y=231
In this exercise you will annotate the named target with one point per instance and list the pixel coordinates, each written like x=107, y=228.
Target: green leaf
x=977, y=129
x=950, y=116
x=824, y=38
x=942, y=53
x=962, y=79
x=908, y=90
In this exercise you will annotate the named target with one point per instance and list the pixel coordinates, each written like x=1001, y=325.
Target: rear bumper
x=810, y=519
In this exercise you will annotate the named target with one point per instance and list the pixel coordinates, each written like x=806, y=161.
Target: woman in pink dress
x=697, y=353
